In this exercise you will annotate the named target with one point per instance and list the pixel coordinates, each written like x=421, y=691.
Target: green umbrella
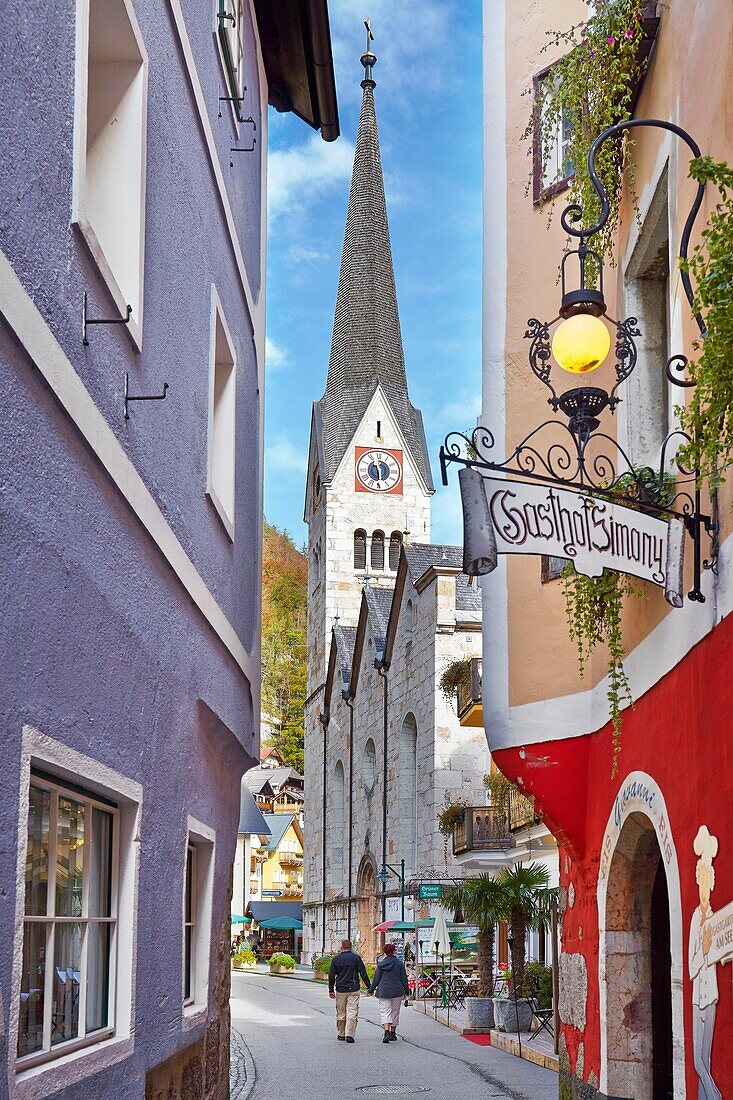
x=282, y=924
x=237, y=918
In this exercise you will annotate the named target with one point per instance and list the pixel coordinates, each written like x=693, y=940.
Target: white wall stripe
x=47, y=355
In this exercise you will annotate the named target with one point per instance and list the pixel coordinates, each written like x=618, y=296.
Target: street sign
x=272, y=893
x=430, y=891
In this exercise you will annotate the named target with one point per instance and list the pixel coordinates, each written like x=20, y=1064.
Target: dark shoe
x=385, y=1037
x=392, y=1036
x=341, y=1038
x=349, y=1038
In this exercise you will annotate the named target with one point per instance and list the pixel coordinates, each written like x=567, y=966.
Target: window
x=552, y=168
x=395, y=545
x=646, y=297
x=229, y=17
x=409, y=624
x=337, y=827
x=198, y=886
x=109, y=147
x=68, y=971
x=377, y=554
x=408, y=791
x=551, y=568
x=222, y=416
x=359, y=549
x=369, y=772
x=189, y=925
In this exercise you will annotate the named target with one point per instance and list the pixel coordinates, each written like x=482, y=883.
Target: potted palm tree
x=481, y=901
x=526, y=900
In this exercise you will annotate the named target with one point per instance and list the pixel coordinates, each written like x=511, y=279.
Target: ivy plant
x=594, y=607
x=588, y=89
x=708, y=415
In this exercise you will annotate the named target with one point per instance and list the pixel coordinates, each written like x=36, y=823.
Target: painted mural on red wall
x=669, y=808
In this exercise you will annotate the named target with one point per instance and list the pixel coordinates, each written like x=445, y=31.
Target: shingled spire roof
x=366, y=348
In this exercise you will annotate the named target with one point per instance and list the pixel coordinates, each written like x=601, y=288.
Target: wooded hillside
x=284, y=600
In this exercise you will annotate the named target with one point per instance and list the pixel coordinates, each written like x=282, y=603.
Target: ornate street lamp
x=579, y=340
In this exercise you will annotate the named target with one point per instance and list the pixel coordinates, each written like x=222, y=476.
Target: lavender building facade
x=131, y=546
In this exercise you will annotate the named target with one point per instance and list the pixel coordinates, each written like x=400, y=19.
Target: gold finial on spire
x=368, y=58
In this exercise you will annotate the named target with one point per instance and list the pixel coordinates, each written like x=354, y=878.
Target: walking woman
x=391, y=985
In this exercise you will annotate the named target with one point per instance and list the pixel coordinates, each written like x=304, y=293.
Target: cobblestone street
x=284, y=1042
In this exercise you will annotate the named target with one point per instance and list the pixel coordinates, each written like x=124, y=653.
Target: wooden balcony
x=470, y=697
x=482, y=829
x=521, y=810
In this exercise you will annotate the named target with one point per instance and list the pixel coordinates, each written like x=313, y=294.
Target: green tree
x=284, y=673
x=527, y=897
x=481, y=901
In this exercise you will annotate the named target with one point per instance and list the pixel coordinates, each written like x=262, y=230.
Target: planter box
x=244, y=966
x=479, y=1012
x=276, y=969
x=320, y=975
x=498, y=1003
x=512, y=1016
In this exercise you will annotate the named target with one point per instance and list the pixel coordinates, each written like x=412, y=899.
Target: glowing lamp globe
x=581, y=343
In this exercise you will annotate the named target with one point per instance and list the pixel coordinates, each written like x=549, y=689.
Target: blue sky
x=429, y=112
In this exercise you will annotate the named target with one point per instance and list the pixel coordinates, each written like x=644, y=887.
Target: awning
x=269, y=910
x=282, y=924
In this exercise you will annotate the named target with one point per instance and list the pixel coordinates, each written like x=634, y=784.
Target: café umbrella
x=282, y=924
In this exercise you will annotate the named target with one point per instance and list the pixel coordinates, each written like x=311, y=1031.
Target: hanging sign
x=501, y=516
x=430, y=891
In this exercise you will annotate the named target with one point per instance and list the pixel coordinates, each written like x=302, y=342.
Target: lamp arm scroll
x=573, y=213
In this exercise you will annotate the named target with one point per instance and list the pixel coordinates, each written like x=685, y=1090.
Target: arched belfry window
x=378, y=550
x=359, y=549
x=395, y=545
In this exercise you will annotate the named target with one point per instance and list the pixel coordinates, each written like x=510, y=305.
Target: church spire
x=366, y=347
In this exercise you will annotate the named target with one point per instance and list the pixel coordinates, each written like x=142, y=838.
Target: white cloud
x=284, y=457
x=299, y=175
x=276, y=356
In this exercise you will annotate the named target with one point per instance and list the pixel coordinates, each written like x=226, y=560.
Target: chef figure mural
x=711, y=942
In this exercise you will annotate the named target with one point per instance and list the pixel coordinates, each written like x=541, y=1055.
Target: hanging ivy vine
x=708, y=415
x=594, y=607
x=589, y=88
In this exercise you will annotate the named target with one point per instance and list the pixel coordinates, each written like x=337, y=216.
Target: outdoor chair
x=543, y=1016
x=456, y=993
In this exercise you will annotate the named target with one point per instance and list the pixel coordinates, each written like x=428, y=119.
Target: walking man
x=343, y=987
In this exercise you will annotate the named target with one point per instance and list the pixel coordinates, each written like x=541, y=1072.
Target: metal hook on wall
x=99, y=320
x=141, y=397
x=236, y=149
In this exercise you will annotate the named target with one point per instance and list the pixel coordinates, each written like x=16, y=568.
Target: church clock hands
x=378, y=471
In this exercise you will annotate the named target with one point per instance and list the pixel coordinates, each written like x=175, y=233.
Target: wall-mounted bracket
x=232, y=99
x=235, y=149
x=141, y=396
x=85, y=321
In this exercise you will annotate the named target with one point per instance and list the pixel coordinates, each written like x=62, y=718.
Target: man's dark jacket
x=344, y=972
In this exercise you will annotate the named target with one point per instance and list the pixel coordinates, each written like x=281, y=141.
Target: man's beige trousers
x=347, y=1013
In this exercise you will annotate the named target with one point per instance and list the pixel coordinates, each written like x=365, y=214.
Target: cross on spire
x=368, y=58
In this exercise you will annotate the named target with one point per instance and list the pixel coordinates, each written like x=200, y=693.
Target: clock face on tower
x=378, y=470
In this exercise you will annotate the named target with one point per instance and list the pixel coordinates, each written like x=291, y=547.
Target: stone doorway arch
x=640, y=949
x=367, y=908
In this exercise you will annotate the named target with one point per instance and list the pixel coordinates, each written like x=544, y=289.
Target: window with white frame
x=552, y=166
x=189, y=927
x=222, y=417
x=198, y=887
x=109, y=146
x=70, y=921
x=229, y=20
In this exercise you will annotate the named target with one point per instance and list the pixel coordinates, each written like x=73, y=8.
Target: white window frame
x=48, y=1051
x=236, y=49
x=79, y=214
x=217, y=316
x=72, y=1063
x=548, y=172
x=203, y=840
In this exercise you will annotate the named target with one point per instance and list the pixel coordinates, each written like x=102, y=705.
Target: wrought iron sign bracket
x=237, y=149
x=141, y=396
x=86, y=321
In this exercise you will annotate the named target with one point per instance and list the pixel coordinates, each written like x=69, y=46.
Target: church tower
x=369, y=481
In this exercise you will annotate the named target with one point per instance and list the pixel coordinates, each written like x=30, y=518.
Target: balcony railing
x=290, y=859
x=521, y=810
x=470, y=692
x=482, y=828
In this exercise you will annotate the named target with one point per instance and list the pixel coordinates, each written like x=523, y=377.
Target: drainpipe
x=323, y=719
x=381, y=668
x=349, y=700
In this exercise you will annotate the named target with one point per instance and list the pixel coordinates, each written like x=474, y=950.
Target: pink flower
x=629, y=32
x=610, y=40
